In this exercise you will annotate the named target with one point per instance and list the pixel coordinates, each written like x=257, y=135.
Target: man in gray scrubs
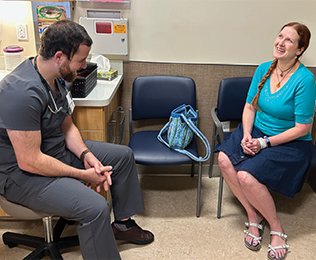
x=44, y=161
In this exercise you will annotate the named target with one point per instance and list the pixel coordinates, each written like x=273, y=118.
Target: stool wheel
x=10, y=245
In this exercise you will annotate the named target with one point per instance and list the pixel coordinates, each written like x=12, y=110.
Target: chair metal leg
x=220, y=196
x=48, y=229
x=192, y=169
x=212, y=152
x=198, y=204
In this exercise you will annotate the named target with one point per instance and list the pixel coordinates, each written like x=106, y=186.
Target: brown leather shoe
x=134, y=234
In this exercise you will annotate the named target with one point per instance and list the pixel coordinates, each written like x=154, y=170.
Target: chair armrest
x=218, y=124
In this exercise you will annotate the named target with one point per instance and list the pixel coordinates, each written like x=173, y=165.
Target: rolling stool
x=47, y=246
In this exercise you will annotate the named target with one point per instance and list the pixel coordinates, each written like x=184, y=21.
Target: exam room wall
x=11, y=13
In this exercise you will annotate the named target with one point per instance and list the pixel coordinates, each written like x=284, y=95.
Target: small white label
x=226, y=126
x=71, y=103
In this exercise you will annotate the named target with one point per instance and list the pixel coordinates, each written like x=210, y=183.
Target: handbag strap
x=162, y=131
x=199, y=134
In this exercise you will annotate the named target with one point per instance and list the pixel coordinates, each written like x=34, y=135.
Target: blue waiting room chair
x=231, y=100
x=153, y=98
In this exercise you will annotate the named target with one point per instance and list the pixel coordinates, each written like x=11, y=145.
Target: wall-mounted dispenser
x=108, y=31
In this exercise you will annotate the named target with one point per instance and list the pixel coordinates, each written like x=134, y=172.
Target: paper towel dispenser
x=110, y=36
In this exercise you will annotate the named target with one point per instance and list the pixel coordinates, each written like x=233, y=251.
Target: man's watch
x=83, y=154
x=268, y=141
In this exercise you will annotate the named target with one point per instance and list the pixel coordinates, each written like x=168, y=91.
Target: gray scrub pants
x=71, y=199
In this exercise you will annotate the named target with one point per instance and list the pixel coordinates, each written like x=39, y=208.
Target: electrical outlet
x=21, y=31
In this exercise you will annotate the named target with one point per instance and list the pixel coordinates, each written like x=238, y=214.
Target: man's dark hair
x=65, y=36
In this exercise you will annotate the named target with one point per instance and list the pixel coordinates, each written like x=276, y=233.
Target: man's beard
x=66, y=73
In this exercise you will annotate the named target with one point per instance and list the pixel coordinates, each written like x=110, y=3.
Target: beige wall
x=213, y=31
x=209, y=32
x=12, y=12
x=204, y=32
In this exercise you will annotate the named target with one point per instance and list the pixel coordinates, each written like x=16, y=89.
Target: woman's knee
x=245, y=178
x=223, y=161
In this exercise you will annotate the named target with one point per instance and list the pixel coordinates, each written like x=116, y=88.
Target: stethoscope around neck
x=48, y=89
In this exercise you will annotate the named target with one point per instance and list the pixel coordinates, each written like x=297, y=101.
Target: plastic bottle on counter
x=13, y=56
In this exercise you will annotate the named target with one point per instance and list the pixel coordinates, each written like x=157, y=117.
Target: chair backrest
x=231, y=99
x=156, y=96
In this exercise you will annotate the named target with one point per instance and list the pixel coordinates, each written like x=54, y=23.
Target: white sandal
x=284, y=246
x=255, y=238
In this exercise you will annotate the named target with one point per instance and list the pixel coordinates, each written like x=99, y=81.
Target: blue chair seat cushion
x=149, y=151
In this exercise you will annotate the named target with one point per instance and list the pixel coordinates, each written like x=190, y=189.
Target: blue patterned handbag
x=180, y=130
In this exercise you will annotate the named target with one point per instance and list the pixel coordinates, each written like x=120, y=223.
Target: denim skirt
x=282, y=168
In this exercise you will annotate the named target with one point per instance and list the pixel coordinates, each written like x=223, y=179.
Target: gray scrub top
x=24, y=104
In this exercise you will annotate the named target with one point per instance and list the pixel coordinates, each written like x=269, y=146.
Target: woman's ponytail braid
x=265, y=77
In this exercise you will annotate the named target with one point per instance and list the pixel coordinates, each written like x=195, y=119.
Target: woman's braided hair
x=265, y=77
x=304, y=37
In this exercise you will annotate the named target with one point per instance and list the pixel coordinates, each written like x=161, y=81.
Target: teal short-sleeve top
x=293, y=103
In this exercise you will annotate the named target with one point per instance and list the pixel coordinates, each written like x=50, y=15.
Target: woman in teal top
x=272, y=148
x=291, y=104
